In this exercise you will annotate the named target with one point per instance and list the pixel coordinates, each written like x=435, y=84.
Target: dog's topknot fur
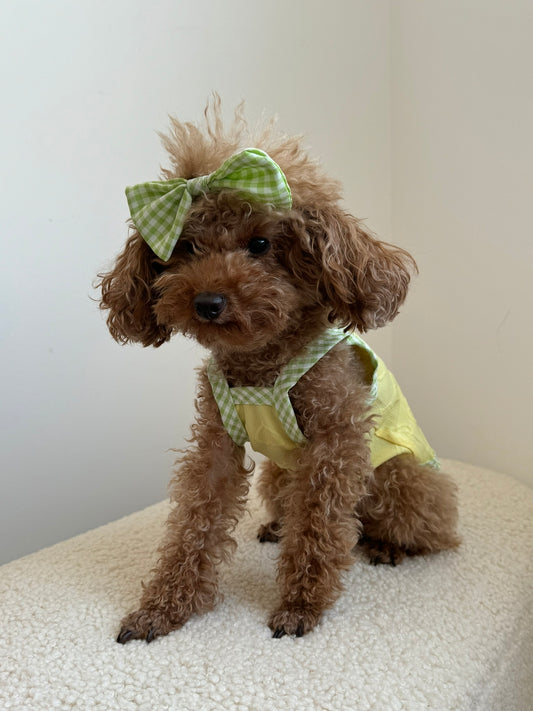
x=274, y=280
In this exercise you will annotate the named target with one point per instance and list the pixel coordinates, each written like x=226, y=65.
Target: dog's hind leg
x=272, y=486
x=410, y=509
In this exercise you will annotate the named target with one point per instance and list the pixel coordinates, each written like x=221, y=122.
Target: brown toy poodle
x=275, y=282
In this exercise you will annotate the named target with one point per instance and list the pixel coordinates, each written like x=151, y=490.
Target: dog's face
x=226, y=284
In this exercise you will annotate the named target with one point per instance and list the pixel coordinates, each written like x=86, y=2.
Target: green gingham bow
x=159, y=208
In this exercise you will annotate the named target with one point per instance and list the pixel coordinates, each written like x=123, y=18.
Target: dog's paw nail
x=278, y=633
x=300, y=630
x=125, y=636
x=152, y=634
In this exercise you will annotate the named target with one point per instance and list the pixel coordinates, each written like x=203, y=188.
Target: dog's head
x=244, y=274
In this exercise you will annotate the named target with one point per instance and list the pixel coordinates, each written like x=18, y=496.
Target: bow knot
x=159, y=208
x=198, y=186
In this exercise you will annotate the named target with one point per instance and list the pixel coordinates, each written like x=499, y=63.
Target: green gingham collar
x=159, y=208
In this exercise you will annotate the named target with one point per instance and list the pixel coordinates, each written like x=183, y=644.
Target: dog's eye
x=190, y=247
x=258, y=245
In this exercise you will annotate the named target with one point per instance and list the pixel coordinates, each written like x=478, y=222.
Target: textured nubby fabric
x=451, y=632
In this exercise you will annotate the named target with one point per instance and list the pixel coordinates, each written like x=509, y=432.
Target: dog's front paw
x=296, y=621
x=148, y=624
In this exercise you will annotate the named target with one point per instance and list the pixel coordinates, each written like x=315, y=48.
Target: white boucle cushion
x=447, y=632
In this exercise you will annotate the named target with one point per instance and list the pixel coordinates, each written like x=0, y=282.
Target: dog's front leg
x=318, y=534
x=209, y=493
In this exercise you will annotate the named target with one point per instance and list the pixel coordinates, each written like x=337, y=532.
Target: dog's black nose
x=209, y=305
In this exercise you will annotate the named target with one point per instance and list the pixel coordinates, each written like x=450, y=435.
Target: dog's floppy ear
x=128, y=294
x=363, y=281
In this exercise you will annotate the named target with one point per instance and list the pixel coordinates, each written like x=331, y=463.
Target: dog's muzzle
x=209, y=306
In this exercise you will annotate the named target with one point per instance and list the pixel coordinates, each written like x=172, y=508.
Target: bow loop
x=159, y=208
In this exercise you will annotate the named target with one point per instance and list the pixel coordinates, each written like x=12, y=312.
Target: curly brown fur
x=407, y=511
x=321, y=266
x=210, y=493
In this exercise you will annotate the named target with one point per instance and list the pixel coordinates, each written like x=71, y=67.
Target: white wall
x=462, y=117
x=85, y=85
x=428, y=102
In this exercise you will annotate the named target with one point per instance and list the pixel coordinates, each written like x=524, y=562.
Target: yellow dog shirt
x=265, y=416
